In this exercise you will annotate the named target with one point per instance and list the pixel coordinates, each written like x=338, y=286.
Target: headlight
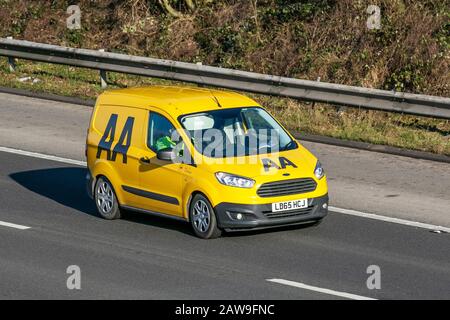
x=234, y=181
x=318, y=171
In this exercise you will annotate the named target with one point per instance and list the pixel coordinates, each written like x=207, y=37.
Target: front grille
x=287, y=214
x=286, y=187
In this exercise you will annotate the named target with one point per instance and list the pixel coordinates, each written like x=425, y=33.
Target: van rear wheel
x=106, y=200
x=203, y=218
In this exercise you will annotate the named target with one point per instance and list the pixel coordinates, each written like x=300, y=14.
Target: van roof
x=176, y=100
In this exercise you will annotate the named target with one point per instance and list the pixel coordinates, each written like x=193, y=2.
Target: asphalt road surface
x=47, y=223
x=401, y=187
x=144, y=257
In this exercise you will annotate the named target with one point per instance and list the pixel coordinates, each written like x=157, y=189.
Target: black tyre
x=203, y=218
x=106, y=200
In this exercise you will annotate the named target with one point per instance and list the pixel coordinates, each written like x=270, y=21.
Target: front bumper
x=261, y=216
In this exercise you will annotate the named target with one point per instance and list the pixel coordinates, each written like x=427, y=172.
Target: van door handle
x=145, y=160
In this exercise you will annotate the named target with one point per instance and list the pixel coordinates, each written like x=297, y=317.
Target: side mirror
x=166, y=154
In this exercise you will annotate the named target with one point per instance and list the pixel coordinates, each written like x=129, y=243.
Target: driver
x=164, y=142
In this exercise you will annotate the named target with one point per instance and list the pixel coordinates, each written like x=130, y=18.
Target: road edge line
x=13, y=225
x=389, y=219
x=42, y=156
x=320, y=290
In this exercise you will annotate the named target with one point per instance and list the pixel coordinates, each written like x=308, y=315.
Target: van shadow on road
x=67, y=186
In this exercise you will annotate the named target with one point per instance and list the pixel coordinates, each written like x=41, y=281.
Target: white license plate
x=289, y=205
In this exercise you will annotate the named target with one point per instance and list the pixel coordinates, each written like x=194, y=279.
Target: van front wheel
x=106, y=200
x=203, y=219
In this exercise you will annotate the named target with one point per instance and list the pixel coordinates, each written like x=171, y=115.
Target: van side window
x=160, y=132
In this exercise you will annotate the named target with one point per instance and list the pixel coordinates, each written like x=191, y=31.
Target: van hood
x=291, y=164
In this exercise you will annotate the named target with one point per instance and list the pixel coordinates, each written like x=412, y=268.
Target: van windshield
x=236, y=132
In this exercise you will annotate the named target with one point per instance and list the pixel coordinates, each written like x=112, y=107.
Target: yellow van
x=213, y=158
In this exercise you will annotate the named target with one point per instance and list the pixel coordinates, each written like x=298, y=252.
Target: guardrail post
x=201, y=85
x=314, y=103
x=103, y=78
x=11, y=64
x=11, y=61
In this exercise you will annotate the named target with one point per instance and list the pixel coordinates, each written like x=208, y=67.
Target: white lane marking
x=13, y=225
x=389, y=219
x=336, y=209
x=42, y=156
x=321, y=290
